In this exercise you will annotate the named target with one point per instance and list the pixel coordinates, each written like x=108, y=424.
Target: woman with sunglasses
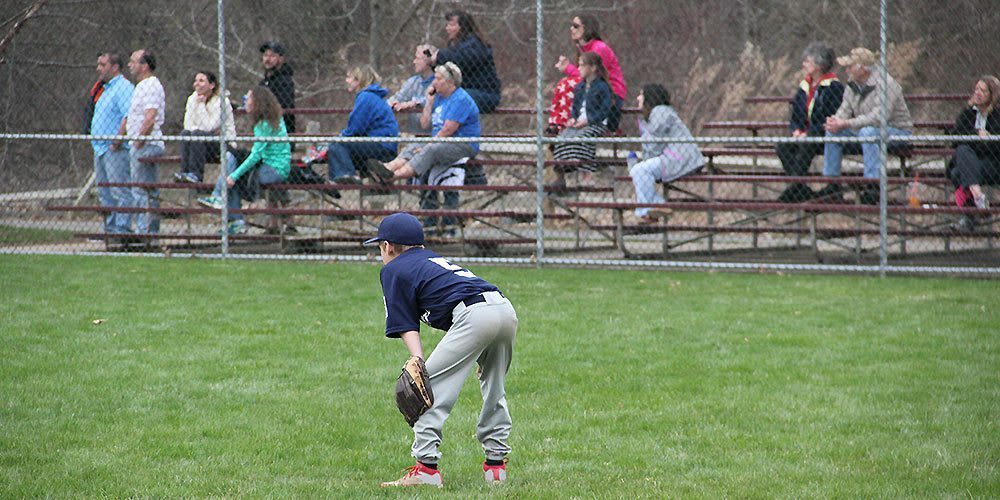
x=584, y=31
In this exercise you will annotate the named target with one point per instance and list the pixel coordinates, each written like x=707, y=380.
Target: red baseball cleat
x=418, y=475
x=495, y=473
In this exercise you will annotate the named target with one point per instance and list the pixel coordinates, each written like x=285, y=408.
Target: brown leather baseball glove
x=413, y=390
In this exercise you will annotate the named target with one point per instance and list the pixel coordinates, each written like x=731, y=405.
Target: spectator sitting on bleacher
x=278, y=78
x=474, y=57
x=371, y=116
x=413, y=93
x=977, y=163
x=661, y=161
x=203, y=116
x=591, y=109
x=858, y=116
x=450, y=112
x=268, y=162
x=584, y=30
x=819, y=96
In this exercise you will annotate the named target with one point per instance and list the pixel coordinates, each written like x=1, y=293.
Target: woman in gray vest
x=661, y=162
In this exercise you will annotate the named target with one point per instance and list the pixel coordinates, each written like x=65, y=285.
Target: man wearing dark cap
x=420, y=285
x=278, y=78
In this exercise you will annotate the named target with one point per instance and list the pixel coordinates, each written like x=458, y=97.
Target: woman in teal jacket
x=268, y=162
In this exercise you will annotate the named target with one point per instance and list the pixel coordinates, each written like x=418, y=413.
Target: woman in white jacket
x=662, y=162
x=203, y=116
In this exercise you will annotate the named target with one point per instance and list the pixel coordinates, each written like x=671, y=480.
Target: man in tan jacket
x=859, y=116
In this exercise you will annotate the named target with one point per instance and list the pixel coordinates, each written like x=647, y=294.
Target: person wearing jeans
x=371, y=116
x=113, y=167
x=246, y=190
x=111, y=96
x=870, y=151
x=269, y=162
x=859, y=115
x=144, y=118
x=145, y=198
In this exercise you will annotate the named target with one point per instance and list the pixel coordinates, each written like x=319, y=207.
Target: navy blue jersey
x=420, y=285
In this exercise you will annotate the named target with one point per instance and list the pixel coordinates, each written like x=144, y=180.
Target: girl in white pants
x=662, y=162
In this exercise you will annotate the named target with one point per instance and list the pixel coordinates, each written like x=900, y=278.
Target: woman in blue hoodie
x=370, y=117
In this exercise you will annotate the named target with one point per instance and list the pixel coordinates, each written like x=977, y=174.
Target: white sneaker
x=418, y=475
x=495, y=473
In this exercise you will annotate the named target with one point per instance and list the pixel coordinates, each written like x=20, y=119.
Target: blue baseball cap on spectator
x=400, y=228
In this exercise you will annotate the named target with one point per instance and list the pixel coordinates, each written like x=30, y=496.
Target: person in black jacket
x=977, y=163
x=278, y=78
x=470, y=52
x=818, y=97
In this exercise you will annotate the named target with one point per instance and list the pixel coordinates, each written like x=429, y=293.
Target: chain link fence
x=627, y=133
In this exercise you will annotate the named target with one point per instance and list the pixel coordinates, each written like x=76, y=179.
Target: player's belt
x=475, y=299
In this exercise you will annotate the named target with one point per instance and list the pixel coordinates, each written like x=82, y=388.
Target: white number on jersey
x=459, y=271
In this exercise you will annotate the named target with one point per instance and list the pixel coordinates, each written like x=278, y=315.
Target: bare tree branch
x=75, y=17
x=28, y=14
x=195, y=40
x=401, y=28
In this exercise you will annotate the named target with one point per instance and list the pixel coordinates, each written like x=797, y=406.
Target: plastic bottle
x=913, y=192
x=631, y=159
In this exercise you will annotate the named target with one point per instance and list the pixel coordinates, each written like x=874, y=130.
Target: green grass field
x=190, y=378
x=13, y=236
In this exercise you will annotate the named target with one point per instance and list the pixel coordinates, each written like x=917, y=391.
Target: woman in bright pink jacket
x=584, y=31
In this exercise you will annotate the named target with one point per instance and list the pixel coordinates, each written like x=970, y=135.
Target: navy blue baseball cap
x=400, y=228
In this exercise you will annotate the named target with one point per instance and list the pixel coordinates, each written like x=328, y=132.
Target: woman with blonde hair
x=268, y=162
x=977, y=163
x=371, y=116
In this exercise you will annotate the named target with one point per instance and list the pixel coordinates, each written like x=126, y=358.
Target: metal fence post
x=883, y=183
x=222, y=129
x=539, y=147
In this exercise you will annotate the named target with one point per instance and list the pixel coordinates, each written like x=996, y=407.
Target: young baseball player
x=420, y=285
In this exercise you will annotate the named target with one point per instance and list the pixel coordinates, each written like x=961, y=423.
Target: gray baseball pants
x=480, y=334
